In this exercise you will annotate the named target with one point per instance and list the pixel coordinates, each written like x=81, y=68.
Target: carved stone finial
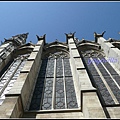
x=98, y=35
x=41, y=38
x=23, y=37
x=69, y=35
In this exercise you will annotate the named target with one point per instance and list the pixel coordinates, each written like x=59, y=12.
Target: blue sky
x=56, y=18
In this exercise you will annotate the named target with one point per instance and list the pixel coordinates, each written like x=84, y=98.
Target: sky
x=57, y=18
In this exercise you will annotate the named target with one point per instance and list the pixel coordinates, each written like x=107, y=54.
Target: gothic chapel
x=72, y=79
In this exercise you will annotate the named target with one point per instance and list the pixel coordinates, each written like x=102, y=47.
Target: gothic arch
x=88, y=46
x=89, y=49
x=55, y=49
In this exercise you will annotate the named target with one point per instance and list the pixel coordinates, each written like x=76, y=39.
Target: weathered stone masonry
x=54, y=80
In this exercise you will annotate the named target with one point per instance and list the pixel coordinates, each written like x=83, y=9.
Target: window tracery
x=103, y=75
x=57, y=89
x=10, y=76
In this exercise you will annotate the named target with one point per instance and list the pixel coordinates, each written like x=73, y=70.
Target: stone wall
x=17, y=99
x=6, y=54
x=88, y=99
x=68, y=115
x=110, y=51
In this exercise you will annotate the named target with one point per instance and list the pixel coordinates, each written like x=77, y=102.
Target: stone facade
x=76, y=79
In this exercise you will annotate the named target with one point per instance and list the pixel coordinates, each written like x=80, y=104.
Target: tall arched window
x=105, y=78
x=10, y=75
x=54, y=87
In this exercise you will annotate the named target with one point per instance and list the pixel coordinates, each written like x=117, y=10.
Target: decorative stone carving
x=69, y=35
x=18, y=40
x=3, y=56
x=98, y=35
x=41, y=38
x=57, y=55
x=22, y=57
x=92, y=53
x=4, y=53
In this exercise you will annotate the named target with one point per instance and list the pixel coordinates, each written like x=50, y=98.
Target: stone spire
x=18, y=40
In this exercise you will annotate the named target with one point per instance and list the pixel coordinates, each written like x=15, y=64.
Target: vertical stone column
x=74, y=56
x=110, y=51
x=22, y=88
x=83, y=85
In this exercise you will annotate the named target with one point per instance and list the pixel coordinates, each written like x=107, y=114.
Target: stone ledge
x=32, y=56
x=88, y=98
x=61, y=115
x=77, y=57
x=28, y=65
x=24, y=71
x=11, y=107
x=73, y=48
x=92, y=89
x=30, y=59
x=38, y=45
x=71, y=43
x=81, y=68
x=11, y=95
x=114, y=112
x=37, y=48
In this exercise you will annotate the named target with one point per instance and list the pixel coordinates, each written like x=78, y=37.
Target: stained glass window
x=105, y=78
x=54, y=88
x=9, y=77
